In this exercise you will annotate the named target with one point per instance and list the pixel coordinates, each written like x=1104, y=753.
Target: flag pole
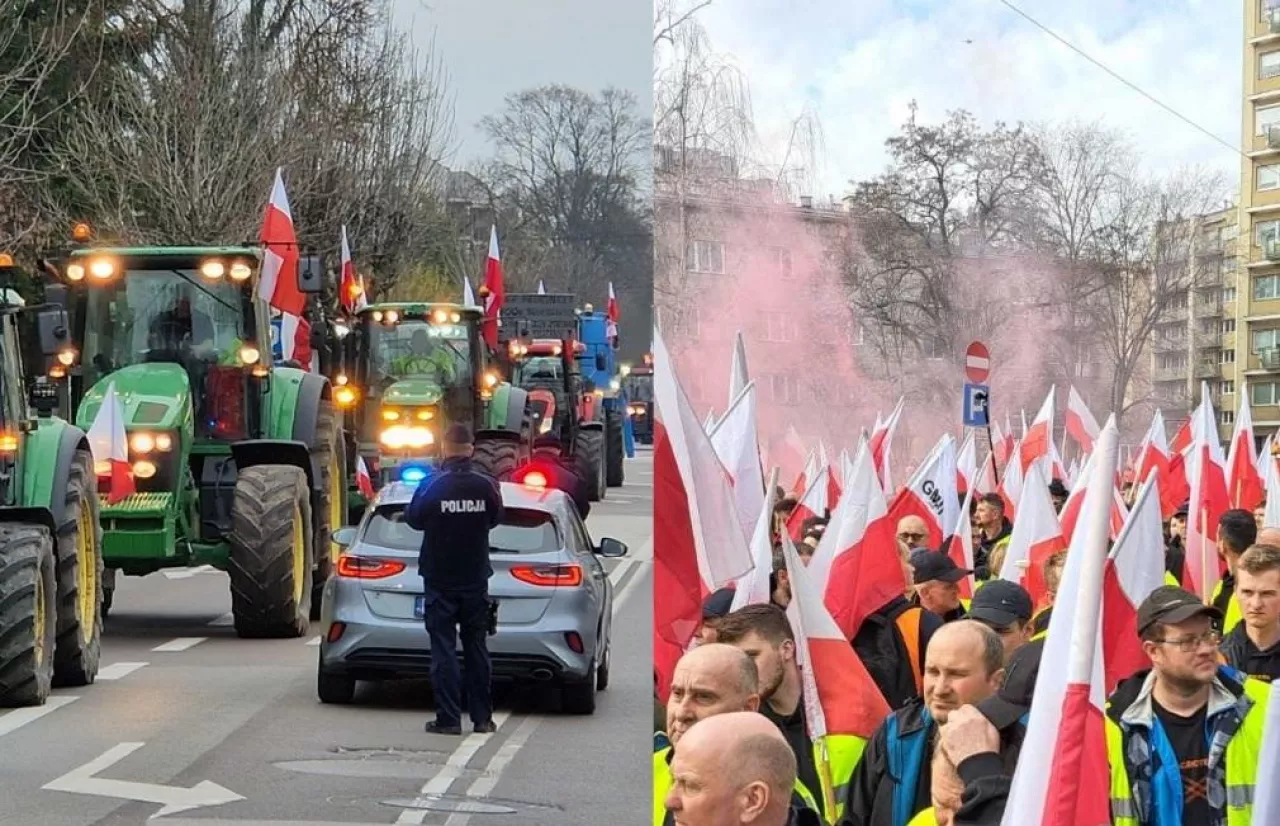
x=824, y=774
x=1204, y=556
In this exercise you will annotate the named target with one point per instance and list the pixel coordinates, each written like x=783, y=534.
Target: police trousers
x=448, y=615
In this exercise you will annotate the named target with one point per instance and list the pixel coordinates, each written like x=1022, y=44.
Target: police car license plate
x=419, y=606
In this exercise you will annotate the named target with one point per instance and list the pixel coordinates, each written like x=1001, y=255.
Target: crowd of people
x=1183, y=735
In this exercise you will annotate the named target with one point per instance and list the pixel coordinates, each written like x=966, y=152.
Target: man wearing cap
x=455, y=509
x=935, y=576
x=714, y=608
x=1183, y=737
x=1006, y=608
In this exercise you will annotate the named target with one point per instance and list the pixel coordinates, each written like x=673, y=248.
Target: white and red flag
x=1154, y=454
x=1271, y=479
x=1011, y=483
x=833, y=475
x=807, y=475
x=813, y=502
x=967, y=465
x=350, y=285
x=1080, y=422
x=1036, y=536
x=612, y=314
x=738, y=373
x=1208, y=501
x=737, y=446
x=1062, y=777
x=110, y=447
x=753, y=589
x=363, y=480
x=468, y=295
x=1070, y=512
x=960, y=549
x=881, y=443
x=1135, y=568
x=278, y=281
x=1244, y=482
x=1038, y=439
x=930, y=493
x=493, y=281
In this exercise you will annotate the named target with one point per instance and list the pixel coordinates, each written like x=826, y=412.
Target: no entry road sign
x=977, y=362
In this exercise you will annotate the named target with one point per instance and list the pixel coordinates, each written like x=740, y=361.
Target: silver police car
x=555, y=600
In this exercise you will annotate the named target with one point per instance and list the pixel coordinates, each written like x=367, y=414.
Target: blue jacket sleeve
x=495, y=504
x=415, y=514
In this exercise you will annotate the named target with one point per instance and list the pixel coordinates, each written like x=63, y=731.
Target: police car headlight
x=401, y=437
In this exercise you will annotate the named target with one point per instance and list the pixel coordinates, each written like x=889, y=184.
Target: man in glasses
x=1183, y=737
x=913, y=532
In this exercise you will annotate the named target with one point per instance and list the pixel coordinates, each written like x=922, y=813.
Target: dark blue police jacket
x=455, y=509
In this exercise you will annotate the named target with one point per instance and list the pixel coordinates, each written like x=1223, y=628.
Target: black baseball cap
x=1056, y=488
x=458, y=434
x=1000, y=603
x=717, y=604
x=1183, y=509
x=1006, y=706
x=1171, y=604
x=928, y=565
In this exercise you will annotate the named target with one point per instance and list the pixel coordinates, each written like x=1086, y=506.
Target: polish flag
x=1062, y=777
x=611, y=313
x=930, y=493
x=278, y=281
x=1080, y=422
x=986, y=482
x=1208, y=501
x=541, y=289
x=967, y=465
x=791, y=456
x=1010, y=488
x=839, y=695
x=856, y=566
x=709, y=423
x=351, y=285
x=468, y=295
x=110, y=448
x=960, y=549
x=1271, y=478
x=1038, y=440
x=295, y=341
x=493, y=282
x=1244, y=483
x=1154, y=454
x=1004, y=441
x=1135, y=568
x=1036, y=536
x=753, y=589
x=812, y=503
x=807, y=475
x=738, y=375
x=1070, y=513
x=882, y=442
x=1182, y=439
x=833, y=475
x=363, y=480
x=736, y=445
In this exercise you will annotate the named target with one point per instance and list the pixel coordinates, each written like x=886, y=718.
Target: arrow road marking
x=175, y=798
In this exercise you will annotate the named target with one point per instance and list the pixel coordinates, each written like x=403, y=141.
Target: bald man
x=735, y=769
x=1268, y=536
x=964, y=664
x=913, y=532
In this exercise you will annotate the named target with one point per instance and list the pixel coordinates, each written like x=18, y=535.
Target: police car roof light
x=535, y=479
x=413, y=474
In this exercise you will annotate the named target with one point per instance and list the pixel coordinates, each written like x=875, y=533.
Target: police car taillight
x=548, y=575
x=359, y=567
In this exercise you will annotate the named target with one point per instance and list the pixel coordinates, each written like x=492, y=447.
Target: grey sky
x=492, y=48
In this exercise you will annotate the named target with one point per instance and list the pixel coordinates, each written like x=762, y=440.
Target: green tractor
x=409, y=370
x=50, y=535
x=235, y=463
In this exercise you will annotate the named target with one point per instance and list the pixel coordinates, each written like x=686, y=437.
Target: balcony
x=1206, y=341
x=1162, y=374
x=1268, y=360
x=1209, y=247
x=1207, y=370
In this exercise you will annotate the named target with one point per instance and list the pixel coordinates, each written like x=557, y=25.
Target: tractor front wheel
x=28, y=614
x=590, y=455
x=497, y=457
x=80, y=574
x=271, y=552
x=328, y=511
x=614, y=449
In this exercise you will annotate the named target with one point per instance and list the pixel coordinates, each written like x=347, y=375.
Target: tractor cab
x=548, y=369
x=637, y=386
x=409, y=370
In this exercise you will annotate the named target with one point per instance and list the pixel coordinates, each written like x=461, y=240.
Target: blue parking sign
x=277, y=348
x=976, y=399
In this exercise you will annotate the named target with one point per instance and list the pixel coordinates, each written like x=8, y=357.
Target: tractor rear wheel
x=614, y=449
x=590, y=454
x=497, y=457
x=28, y=614
x=327, y=454
x=271, y=552
x=80, y=575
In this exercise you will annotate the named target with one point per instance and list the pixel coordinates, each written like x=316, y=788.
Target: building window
x=1228, y=294
x=1228, y=326
x=1267, y=7
x=1265, y=231
x=706, y=256
x=786, y=389
x=1227, y=357
x=780, y=327
x=1268, y=65
x=686, y=324
x=1265, y=340
x=1228, y=417
x=780, y=260
x=1176, y=301
x=1266, y=287
x=1227, y=388
x=1264, y=393
x=1265, y=117
x=1172, y=361
x=1269, y=176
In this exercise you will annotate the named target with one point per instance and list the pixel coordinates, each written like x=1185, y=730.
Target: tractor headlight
x=545, y=426
x=615, y=385
x=143, y=441
x=390, y=414
x=399, y=437
x=345, y=395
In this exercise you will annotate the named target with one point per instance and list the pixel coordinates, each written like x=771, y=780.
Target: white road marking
x=452, y=769
x=314, y=640
x=187, y=573
x=175, y=798
x=116, y=671
x=19, y=717
x=180, y=644
x=226, y=619
x=485, y=784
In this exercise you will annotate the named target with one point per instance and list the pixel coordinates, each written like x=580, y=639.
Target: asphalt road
x=185, y=711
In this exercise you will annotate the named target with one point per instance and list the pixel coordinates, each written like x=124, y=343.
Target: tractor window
x=639, y=388
x=417, y=349
x=539, y=369
x=521, y=531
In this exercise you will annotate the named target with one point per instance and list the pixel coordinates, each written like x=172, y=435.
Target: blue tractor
x=598, y=363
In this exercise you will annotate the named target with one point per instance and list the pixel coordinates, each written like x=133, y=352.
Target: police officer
x=455, y=509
